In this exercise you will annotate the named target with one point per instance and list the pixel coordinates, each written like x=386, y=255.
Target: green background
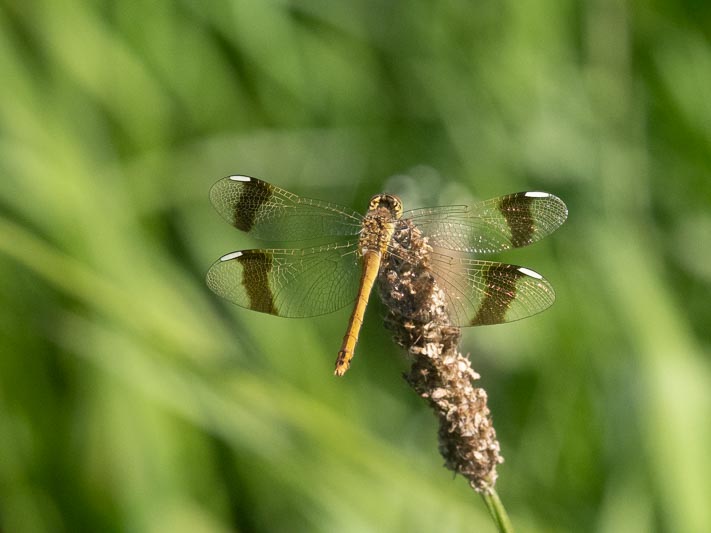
x=132, y=399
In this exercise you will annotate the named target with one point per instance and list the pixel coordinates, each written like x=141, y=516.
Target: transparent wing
x=494, y=225
x=486, y=292
x=289, y=283
x=270, y=213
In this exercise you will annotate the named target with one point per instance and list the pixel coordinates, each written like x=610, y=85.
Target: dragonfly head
x=386, y=202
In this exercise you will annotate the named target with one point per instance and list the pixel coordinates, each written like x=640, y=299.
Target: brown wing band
x=254, y=194
x=500, y=283
x=256, y=265
x=516, y=209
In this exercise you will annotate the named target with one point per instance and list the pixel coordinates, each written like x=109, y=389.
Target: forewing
x=486, y=292
x=270, y=213
x=494, y=225
x=288, y=283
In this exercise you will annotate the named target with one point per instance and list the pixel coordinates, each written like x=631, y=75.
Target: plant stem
x=497, y=510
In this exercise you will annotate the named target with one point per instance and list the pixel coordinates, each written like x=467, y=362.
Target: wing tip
x=230, y=256
x=561, y=208
x=530, y=273
x=220, y=184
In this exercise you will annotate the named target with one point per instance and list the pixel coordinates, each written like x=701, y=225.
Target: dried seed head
x=417, y=316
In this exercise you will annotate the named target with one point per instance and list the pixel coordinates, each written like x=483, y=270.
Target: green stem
x=497, y=511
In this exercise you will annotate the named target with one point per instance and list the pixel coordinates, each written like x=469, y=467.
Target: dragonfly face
x=384, y=210
x=386, y=204
x=345, y=253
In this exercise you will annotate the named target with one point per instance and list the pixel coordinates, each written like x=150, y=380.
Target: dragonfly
x=342, y=267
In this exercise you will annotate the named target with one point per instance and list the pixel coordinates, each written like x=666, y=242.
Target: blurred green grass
x=130, y=399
